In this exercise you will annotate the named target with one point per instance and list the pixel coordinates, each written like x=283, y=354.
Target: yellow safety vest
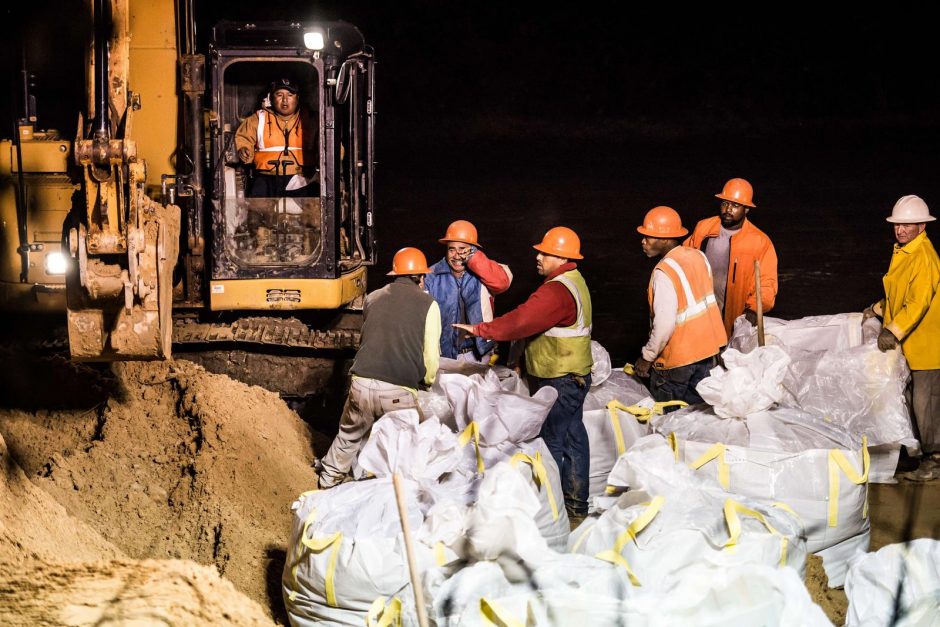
x=564, y=350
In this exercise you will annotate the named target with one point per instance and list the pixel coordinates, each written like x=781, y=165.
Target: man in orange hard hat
x=463, y=283
x=280, y=140
x=687, y=332
x=910, y=311
x=398, y=353
x=732, y=243
x=556, y=320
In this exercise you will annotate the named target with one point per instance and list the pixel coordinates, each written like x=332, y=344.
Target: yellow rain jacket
x=911, y=307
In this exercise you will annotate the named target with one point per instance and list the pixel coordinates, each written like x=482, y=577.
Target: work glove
x=751, y=316
x=887, y=341
x=868, y=312
x=642, y=368
x=245, y=155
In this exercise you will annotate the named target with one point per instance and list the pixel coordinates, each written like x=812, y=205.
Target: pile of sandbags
x=814, y=467
x=671, y=518
x=483, y=500
x=837, y=372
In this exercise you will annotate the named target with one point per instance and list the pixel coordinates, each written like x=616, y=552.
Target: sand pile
x=125, y=592
x=176, y=463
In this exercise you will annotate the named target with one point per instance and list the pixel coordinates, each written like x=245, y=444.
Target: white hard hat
x=910, y=210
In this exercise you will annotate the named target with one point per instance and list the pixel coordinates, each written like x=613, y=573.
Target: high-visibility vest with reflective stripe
x=564, y=350
x=270, y=143
x=699, y=331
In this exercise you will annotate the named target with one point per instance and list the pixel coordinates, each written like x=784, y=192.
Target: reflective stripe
x=692, y=306
x=262, y=115
x=577, y=329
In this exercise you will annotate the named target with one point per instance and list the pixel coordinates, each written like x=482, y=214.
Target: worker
x=910, y=311
x=280, y=139
x=732, y=243
x=556, y=319
x=398, y=353
x=686, y=328
x=464, y=283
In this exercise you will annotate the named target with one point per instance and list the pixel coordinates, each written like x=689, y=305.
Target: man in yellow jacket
x=911, y=314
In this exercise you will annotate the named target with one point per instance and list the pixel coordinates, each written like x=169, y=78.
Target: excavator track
x=267, y=331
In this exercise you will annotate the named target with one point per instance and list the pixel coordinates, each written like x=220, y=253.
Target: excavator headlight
x=313, y=39
x=56, y=263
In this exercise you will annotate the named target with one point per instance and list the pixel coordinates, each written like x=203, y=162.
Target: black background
x=521, y=116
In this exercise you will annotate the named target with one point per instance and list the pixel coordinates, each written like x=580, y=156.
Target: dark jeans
x=274, y=186
x=566, y=438
x=678, y=384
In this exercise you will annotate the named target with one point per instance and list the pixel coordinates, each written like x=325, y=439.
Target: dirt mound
x=178, y=463
x=832, y=601
x=34, y=526
x=149, y=592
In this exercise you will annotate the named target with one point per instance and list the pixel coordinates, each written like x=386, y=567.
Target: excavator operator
x=280, y=140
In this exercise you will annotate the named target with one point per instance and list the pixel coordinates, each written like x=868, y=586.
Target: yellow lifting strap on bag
x=629, y=369
x=837, y=462
x=614, y=556
x=717, y=452
x=732, y=510
x=496, y=615
x=439, y=555
x=382, y=615
x=642, y=414
x=674, y=444
x=472, y=432
x=318, y=545
x=541, y=476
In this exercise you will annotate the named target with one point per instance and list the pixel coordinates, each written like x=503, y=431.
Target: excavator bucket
x=121, y=309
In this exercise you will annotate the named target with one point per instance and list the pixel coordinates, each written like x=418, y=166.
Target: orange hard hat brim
x=462, y=241
x=554, y=253
x=746, y=204
x=680, y=233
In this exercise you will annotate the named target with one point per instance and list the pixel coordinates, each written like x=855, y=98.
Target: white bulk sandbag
x=812, y=333
x=611, y=432
x=500, y=415
x=600, y=370
x=785, y=455
x=401, y=443
x=671, y=519
x=346, y=550
x=837, y=371
x=501, y=522
x=533, y=461
x=897, y=585
x=747, y=594
x=488, y=592
x=748, y=382
x=620, y=387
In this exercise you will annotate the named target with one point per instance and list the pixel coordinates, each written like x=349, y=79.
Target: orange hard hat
x=662, y=222
x=409, y=261
x=461, y=231
x=739, y=191
x=560, y=241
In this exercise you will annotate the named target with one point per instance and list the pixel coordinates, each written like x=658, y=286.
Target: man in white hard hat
x=910, y=311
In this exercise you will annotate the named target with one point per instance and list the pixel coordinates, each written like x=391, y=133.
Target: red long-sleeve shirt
x=551, y=305
x=495, y=276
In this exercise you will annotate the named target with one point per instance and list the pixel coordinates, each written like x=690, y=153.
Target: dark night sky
x=524, y=60
x=524, y=116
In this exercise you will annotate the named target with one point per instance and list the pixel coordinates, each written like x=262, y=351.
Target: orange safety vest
x=271, y=141
x=699, y=330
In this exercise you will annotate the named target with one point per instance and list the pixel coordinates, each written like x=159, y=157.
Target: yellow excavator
x=143, y=229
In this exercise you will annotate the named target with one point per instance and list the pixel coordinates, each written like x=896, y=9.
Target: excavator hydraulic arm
x=124, y=245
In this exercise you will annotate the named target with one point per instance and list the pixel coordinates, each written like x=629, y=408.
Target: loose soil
x=173, y=463
x=161, y=492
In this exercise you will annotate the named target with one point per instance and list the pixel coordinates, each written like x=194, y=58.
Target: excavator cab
x=308, y=248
